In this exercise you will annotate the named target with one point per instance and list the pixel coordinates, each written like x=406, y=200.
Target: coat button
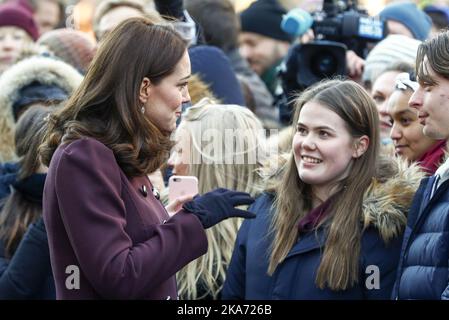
x=144, y=191
x=156, y=193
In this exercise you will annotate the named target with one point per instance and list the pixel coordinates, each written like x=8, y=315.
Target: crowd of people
x=349, y=199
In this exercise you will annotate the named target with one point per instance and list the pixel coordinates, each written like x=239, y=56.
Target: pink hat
x=17, y=16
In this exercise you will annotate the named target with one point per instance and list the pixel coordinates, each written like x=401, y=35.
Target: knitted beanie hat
x=264, y=17
x=215, y=69
x=407, y=13
x=442, y=11
x=394, y=48
x=71, y=46
x=14, y=15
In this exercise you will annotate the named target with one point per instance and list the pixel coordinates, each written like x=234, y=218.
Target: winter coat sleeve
x=234, y=286
x=445, y=294
x=3, y=261
x=89, y=190
x=380, y=262
x=28, y=269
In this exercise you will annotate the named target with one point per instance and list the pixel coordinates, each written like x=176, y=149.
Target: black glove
x=170, y=8
x=218, y=205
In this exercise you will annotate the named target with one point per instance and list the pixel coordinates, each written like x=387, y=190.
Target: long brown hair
x=339, y=264
x=106, y=106
x=18, y=212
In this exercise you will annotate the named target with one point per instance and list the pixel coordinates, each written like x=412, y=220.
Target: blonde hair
x=338, y=268
x=199, y=90
x=209, y=270
x=106, y=6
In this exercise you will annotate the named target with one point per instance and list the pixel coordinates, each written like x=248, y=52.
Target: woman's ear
x=144, y=92
x=360, y=146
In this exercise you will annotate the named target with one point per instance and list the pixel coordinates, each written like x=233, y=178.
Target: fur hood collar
x=45, y=70
x=387, y=200
x=389, y=197
x=37, y=68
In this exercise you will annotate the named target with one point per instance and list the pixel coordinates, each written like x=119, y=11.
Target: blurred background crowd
x=249, y=60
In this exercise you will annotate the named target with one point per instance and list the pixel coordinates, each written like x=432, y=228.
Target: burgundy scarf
x=433, y=158
x=314, y=217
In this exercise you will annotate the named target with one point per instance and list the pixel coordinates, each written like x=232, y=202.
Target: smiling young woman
x=331, y=217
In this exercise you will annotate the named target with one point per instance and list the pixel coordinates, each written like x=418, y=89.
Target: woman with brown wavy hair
x=109, y=235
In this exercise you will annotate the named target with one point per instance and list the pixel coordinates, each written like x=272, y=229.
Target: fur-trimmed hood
x=389, y=197
x=41, y=69
x=387, y=200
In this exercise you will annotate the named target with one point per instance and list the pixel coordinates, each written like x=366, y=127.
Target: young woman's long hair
x=18, y=212
x=106, y=105
x=201, y=123
x=338, y=268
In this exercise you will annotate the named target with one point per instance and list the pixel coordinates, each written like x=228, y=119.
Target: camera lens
x=324, y=64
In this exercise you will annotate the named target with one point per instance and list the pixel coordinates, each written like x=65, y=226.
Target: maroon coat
x=99, y=221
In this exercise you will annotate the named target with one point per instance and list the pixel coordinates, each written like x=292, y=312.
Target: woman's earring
x=142, y=110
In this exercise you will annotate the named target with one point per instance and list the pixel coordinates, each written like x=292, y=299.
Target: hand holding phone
x=180, y=190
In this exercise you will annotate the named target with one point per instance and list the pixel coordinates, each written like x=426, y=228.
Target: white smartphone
x=179, y=186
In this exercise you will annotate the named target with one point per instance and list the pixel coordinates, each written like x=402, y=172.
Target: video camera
x=339, y=27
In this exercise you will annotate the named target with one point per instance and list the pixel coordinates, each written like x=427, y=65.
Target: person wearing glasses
x=407, y=132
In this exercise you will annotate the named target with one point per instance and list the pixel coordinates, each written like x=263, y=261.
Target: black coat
x=423, y=271
x=28, y=274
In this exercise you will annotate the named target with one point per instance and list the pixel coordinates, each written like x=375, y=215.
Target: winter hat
x=71, y=46
x=21, y=83
x=407, y=13
x=215, y=69
x=443, y=11
x=14, y=15
x=38, y=92
x=26, y=4
x=264, y=17
x=393, y=48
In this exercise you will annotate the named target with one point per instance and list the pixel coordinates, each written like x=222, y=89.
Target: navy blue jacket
x=8, y=175
x=28, y=274
x=423, y=271
x=295, y=277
